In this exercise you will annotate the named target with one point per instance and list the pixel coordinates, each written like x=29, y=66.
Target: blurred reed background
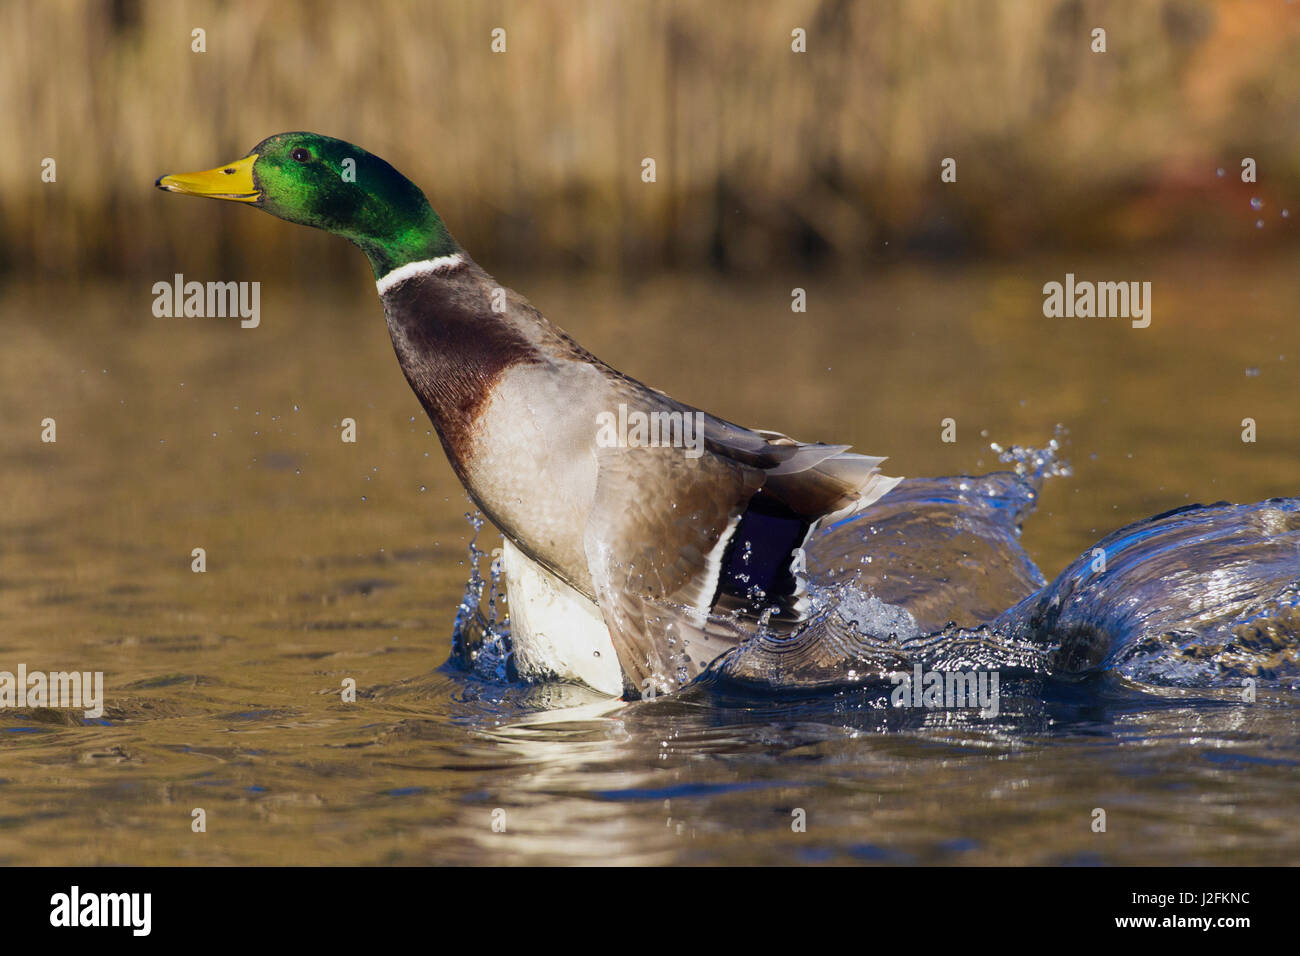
x=830, y=158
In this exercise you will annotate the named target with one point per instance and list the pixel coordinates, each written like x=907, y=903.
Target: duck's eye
x=300, y=155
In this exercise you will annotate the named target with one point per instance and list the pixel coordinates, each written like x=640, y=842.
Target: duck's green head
x=332, y=185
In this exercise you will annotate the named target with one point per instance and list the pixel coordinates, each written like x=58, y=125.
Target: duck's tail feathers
x=826, y=483
x=845, y=482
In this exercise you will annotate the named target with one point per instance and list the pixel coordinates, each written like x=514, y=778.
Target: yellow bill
x=233, y=181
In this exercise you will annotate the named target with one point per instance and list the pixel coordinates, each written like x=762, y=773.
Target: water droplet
x=1256, y=203
x=1259, y=223
x=1219, y=172
x=1252, y=372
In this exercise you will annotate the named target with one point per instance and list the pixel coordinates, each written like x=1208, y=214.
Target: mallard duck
x=637, y=530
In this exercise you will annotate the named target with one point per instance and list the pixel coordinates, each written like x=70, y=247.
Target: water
x=1119, y=690
x=1200, y=597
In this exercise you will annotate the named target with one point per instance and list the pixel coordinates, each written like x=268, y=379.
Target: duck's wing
x=654, y=539
x=683, y=549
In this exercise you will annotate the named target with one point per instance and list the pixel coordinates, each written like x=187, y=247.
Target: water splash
x=1201, y=596
x=480, y=641
x=1036, y=465
x=1204, y=596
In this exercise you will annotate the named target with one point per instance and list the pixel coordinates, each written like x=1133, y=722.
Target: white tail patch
x=423, y=267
